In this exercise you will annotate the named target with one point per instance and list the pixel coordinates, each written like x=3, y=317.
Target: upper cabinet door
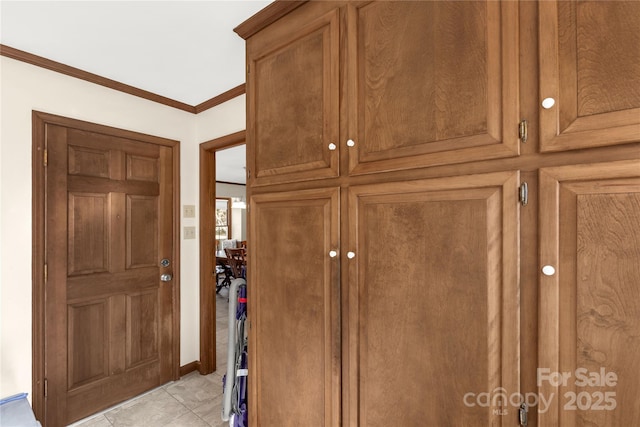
x=590, y=67
x=431, y=82
x=292, y=100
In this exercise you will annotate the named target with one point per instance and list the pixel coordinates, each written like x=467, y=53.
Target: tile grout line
x=185, y=406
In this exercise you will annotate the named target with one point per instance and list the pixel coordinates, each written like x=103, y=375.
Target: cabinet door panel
x=432, y=83
x=434, y=301
x=293, y=103
x=590, y=65
x=294, y=309
x=590, y=308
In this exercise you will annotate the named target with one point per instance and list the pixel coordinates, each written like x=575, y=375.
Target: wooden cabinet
x=590, y=66
x=435, y=307
x=431, y=83
x=421, y=83
x=433, y=293
x=293, y=102
x=295, y=301
x=590, y=310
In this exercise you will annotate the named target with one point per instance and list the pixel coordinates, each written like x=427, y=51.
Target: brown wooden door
x=590, y=66
x=590, y=304
x=294, y=309
x=293, y=100
x=108, y=317
x=431, y=82
x=434, y=302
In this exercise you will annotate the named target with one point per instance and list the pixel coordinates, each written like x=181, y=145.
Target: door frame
x=39, y=217
x=207, y=228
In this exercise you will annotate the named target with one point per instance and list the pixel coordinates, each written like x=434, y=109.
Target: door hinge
x=523, y=132
x=46, y=272
x=523, y=194
x=522, y=415
x=45, y=157
x=46, y=387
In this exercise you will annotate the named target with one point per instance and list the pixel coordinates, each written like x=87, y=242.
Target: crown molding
x=61, y=68
x=223, y=97
x=266, y=16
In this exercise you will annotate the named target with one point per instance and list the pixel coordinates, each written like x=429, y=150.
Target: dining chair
x=236, y=258
x=223, y=273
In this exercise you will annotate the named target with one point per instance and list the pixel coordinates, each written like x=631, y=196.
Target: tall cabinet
x=407, y=186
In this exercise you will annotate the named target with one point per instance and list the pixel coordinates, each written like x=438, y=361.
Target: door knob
x=166, y=278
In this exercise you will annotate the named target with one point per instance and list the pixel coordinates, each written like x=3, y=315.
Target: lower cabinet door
x=294, y=309
x=590, y=295
x=434, y=302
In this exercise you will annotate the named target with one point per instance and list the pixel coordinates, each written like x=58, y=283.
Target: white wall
x=24, y=88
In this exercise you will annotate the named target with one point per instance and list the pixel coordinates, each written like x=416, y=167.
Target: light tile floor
x=193, y=401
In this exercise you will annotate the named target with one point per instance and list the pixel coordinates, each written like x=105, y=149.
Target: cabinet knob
x=548, y=270
x=332, y=146
x=333, y=254
x=351, y=255
x=351, y=143
x=548, y=103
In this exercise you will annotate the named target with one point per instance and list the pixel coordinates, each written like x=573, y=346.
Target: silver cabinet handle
x=166, y=278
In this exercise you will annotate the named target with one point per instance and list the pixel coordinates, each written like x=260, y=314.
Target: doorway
x=208, y=245
x=106, y=266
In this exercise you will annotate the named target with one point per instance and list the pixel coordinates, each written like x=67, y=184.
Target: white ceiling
x=183, y=50
x=231, y=165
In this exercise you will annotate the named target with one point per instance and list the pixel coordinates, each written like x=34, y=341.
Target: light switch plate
x=189, y=211
x=190, y=232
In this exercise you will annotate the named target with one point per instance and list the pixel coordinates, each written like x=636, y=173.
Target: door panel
x=590, y=65
x=432, y=83
x=142, y=327
x=109, y=326
x=88, y=162
x=295, y=76
x=590, y=308
x=142, y=168
x=88, y=344
x=142, y=231
x=434, y=301
x=88, y=233
x=294, y=309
